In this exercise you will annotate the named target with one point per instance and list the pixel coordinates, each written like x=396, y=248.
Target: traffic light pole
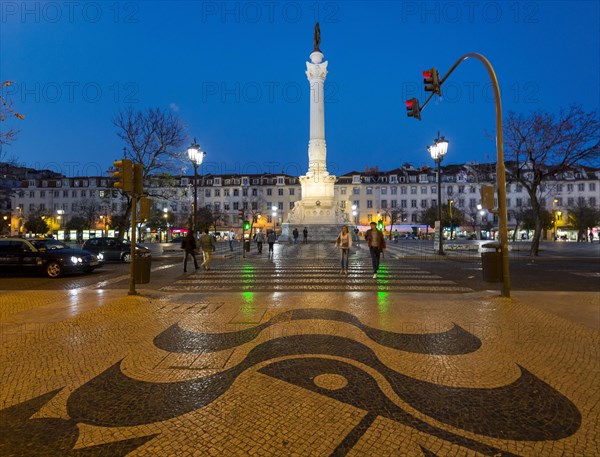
x=500, y=169
x=132, y=290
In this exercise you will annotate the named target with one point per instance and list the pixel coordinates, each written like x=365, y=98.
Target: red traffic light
x=413, y=109
x=431, y=79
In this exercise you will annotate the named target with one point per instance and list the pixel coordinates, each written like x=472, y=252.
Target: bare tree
x=7, y=135
x=89, y=210
x=542, y=145
x=154, y=138
x=396, y=215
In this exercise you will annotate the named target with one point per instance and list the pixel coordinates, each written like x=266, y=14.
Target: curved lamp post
x=196, y=156
x=438, y=150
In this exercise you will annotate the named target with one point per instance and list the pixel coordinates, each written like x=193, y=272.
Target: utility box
x=142, y=269
x=491, y=261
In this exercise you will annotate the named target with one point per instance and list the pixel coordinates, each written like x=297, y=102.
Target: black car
x=114, y=248
x=45, y=255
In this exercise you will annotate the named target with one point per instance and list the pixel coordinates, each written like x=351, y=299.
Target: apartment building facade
x=266, y=199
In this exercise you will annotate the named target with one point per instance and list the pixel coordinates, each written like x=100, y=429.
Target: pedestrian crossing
x=314, y=267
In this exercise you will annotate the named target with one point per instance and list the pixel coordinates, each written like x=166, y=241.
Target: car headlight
x=100, y=256
x=76, y=260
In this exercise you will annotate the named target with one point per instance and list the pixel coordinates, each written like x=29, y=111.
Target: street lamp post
x=438, y=150
x=196, y=156
x=166, y=216
x=557, y=214
x=274, y=215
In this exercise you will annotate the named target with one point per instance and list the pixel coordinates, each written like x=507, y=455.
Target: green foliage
x=528, y=219
x=430, y=215
x=78, y=223
x=37, y=225
x=583, y=217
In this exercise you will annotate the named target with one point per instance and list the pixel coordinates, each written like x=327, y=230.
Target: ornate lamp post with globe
x=196, y=156
x=438, y=150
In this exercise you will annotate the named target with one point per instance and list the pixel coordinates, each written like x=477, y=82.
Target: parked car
x=114, y=248
x=46, y=255
x=178, y=239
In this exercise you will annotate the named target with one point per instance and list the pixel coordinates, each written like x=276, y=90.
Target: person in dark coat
x=189, y=245
x=376, y=242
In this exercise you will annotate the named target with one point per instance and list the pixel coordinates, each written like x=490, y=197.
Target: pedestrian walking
x=271, y=238
x=295, y=234
x=260, y=239
x=591, y=236
x=376, y=242
x=207, y=244
x=189, y=245
x=344, y=242
x=305, y=234
x=231, y=237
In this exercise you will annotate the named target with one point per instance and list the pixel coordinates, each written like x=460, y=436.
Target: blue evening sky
x=234, y=73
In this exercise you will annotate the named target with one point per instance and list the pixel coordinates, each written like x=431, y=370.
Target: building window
x=356, y=179
x=226, y=192
x=569, y=187
x=291, y=205
x=413, y=217
x=280, y=181
x=217, y=192
x=292, y=191
x=423, y=204
x=356, y=191
x=581, y=187
x=393, y=179
x=207, y=193
x=244, y=192
x=383, y=204
x=413, y=190
x=402, y=203
x=43, y=194
x=217, y=181
x=394, y=190
x=236, y=205
x=369, y=203
x=413, y=203
x=519, y=202
x=269, y=192
x=236, y=192
x=369, y=190
x=384, y=191
x=280, y=206
x=280, y=192
x=592, y=186
x=403, y=190
x=593, y=201
x=245, y=181
x=226, y=206
x=394, y=203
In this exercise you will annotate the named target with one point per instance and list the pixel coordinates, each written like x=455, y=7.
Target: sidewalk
x=297, y=374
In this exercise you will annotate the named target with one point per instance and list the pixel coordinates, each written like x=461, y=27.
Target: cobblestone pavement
x=295, y=373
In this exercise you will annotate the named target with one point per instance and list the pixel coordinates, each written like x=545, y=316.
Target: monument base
x=316, y=232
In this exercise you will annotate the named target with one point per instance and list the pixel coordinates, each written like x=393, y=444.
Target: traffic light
x=246, y=225
x=379, y=224
x=431, y=79
x=241, y=214
x=124, y=175
x=138, y=179
x=413, y=109
x=145, y=206
x=486, y=192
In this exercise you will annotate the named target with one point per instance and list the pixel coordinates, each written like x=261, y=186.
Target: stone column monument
x=318, y=207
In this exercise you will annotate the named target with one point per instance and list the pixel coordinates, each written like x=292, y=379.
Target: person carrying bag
x=344, y=242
